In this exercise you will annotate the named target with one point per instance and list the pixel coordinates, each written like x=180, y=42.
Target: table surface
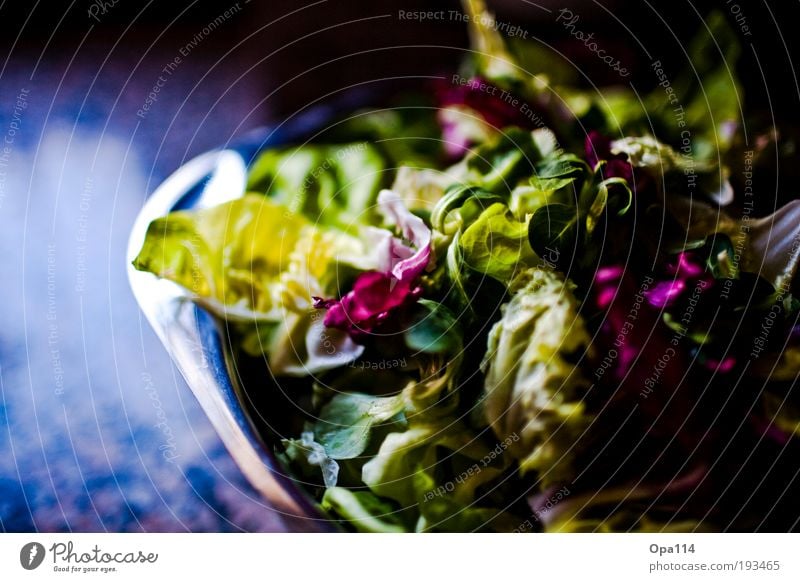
x=98, y=431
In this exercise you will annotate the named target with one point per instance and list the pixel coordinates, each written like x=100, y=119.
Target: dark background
x=82, y=162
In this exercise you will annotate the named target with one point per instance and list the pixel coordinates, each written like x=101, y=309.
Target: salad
x=510, y=303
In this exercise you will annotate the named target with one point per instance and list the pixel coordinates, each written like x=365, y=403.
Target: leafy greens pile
x=509, y=322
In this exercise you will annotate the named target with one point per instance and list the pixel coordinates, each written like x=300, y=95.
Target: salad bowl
x=195, y=340
x=450, y=315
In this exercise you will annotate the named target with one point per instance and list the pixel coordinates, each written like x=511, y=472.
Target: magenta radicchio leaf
x=685, y=272
x=484, y=98
x=376, y=294
x=481, y=99
x=640, y=362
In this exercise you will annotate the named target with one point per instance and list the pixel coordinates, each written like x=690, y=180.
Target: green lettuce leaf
x=435, y=336
x=433, y=329
x=494, y=62
x=437, y=468
x=345, y=424
x=460, y=206
x=557, y=178
x=648, y=152
x=496, y=244
x=258, y=266
x=229, y=255
x=532, y=387
x=555, y=226
x=311, y=459
x=363, y=511
x=564, y=227
x=711, y=91
x=330, y=185
x=406, y=133
x=643, y=507
x=421, y=188
x=500, y=164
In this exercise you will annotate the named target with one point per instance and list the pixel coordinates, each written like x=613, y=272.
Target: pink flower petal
x=688, y=266
x=407, y=264
x=607, y=274
x=665, y=293
x=376, y=294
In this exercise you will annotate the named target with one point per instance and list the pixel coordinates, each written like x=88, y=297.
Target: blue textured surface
x=97, y=429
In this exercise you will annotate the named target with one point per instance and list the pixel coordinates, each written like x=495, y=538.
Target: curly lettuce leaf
x=363, y=511
x=532, y=387
x=228, y=255
x=557, y=177
x=633, y=507
x=256, y=265
x=564, y=227
x=421, y=188
x=500, y=164
x=496, y=244
x=437, y=468
x=459, y=207
x=648, y=152
x=331, y=185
